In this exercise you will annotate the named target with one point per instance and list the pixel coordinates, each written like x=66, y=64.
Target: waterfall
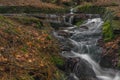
x=71, y=19
x=71, y=10
x=85, y=47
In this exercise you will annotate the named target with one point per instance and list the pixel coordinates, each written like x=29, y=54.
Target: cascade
x=84, y=49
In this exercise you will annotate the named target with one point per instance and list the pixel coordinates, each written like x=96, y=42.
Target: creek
x=83, y=52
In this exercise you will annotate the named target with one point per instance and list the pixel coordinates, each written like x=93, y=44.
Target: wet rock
x=72, y=77
x=100, y=42
x=70, y=63
x=67, y=46
x=106, y=62
x=65, y=34
x=81, y=68
x=116, y=31
x=84, y=27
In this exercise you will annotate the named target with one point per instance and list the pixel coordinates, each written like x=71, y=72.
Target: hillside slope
x=35, y=3
x=110, y=4
x=27, y=50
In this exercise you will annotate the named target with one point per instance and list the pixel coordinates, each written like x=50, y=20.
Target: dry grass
x=35, y=3
x=106, y=2
x=110, y=4
x=25, y=52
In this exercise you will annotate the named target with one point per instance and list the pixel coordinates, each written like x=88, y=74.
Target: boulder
x=81, y=68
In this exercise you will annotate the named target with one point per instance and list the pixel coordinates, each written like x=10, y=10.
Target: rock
x=81, y=68
x=72, y=77
x=65, y=48
x=116, y=31
x=84, y=27
x=67, y=45
x=65, y=34
x=106, y=62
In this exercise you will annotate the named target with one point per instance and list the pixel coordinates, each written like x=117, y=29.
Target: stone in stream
x=81, y=68
x=65, y=34
x=66, y=46
x=84, y=27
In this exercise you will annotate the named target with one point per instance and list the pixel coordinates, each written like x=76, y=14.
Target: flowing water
x=83, y=43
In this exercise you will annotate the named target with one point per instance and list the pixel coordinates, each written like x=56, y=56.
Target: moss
x=58, y=61
x=49, y=37
x=78, y=23
x=39, y=25
x=107, y=31
x=24, y=48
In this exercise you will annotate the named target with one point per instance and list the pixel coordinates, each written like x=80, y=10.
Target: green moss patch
x=107, y=31
x=57, y=60
x=78, y=23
